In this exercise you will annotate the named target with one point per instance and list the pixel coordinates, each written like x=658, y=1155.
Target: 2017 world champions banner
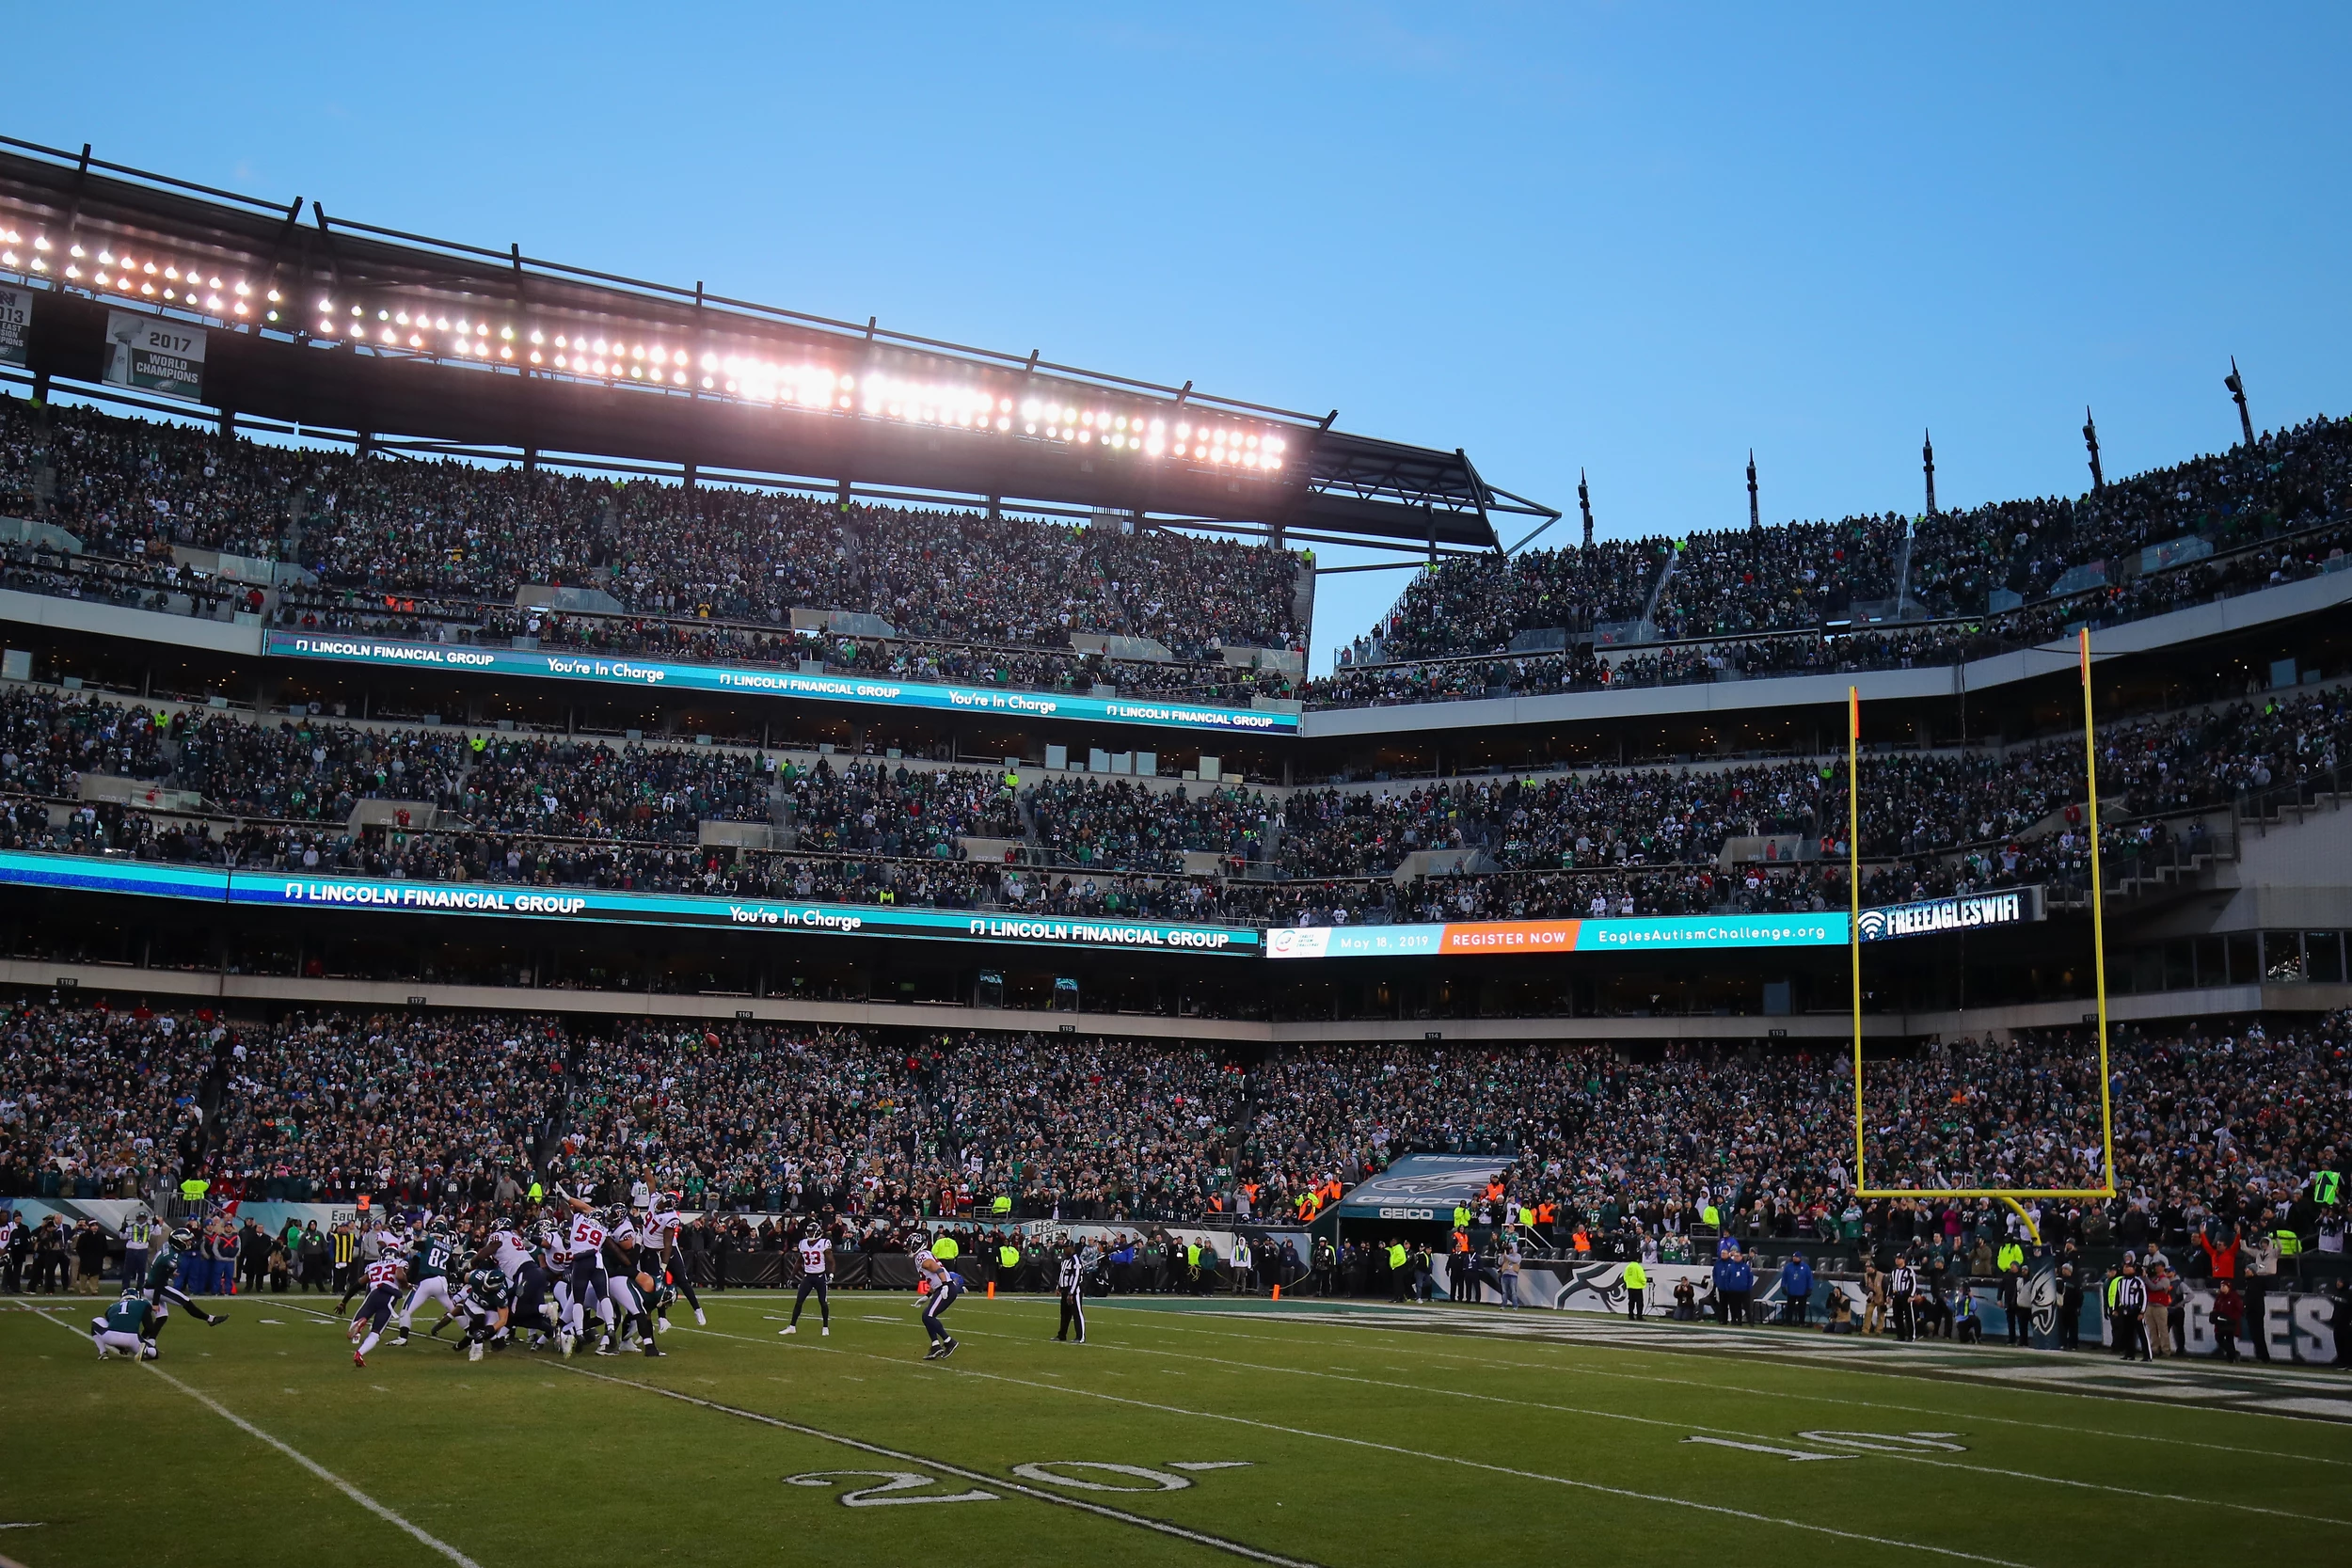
x=600, y=906
x=1655, y=933
x=653, y=673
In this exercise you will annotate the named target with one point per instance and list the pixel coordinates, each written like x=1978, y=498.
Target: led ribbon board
x=1656, y=934
x=652, y=675
x=599, y=906
x=1661, y=933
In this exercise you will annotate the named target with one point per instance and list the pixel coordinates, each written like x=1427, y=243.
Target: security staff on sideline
x=1636, y=1290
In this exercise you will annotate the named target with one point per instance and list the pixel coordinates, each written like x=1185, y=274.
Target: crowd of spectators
x=462, y=533
x=1986, y=561
x=1629, y=1145
x=210, y=786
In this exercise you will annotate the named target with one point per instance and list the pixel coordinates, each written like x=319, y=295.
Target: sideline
x=1626, y=1492
x=1162, y=1526
x=302, y=1459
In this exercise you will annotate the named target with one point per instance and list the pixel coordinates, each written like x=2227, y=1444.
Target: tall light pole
x=1927, y=464
x=1754, y=521
x=2237, y=384
x=2090, y=439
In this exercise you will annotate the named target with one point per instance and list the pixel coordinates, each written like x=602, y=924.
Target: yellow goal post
x=2014, y=1196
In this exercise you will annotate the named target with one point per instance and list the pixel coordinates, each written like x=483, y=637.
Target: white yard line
x=1338, y=1376
x=1356, y=1320
x=302, y=1459
x=1627, y=1492
x=1160, y=1526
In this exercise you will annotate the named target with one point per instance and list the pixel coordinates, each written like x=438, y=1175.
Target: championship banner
x=16, y=322
x=151, y=354
x=599, y=906
x=653, y=673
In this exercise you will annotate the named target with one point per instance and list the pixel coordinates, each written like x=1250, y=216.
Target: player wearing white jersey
x=584, y=1233
x=815, y=1253
x=629, y=1288
x=383, y=1280
x=943, y=1286
x=660, y=1228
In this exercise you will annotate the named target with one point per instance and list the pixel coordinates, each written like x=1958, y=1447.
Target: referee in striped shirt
x=2127, y=1307
x=1071, y=1284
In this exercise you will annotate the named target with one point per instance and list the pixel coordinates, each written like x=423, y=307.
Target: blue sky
x=1632, y=239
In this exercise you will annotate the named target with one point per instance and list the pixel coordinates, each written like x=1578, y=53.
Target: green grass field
x=1250, y=1431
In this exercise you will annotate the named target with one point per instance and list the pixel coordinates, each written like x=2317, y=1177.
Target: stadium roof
x=341, y=328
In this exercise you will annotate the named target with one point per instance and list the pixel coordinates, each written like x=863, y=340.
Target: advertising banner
x=1655, y=933
x=1424, y=1187
x=16, y=324
x=151, y=354
x=603, y=905
x=653, y=673
x=1976, y=911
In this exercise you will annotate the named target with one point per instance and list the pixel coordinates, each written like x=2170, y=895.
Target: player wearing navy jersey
x=383, y=1279
x=944, y=1284
x=815, y=1254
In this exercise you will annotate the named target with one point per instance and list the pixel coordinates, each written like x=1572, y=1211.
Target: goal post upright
x=2012, y=1196
x=1853, y=914
x=2098, y=923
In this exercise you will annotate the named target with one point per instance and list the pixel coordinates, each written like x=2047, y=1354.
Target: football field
x=1184, y=1431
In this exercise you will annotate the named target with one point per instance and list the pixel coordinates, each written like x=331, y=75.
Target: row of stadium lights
x=127, y=276
x=810, y=386
x=756, y=380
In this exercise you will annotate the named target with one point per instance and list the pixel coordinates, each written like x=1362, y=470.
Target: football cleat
x=948, y=1348
x=358, y=1360
x=789, y=1328
x=215, y=1320
x=699, y=1318
x=826, y=1331
x=473, y=1352
x=102, y=1350
x=150, y=1351
x=661, y=1326
x=652, y=1349
x=935, y=1353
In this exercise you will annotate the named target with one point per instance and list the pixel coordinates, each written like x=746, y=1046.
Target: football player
x=161, y=1291
x=124, y=1327
x=384, y=1280
x=944, y=1286
x=816, y=1252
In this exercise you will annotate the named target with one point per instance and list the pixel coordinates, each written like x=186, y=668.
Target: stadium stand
x=441, y=1109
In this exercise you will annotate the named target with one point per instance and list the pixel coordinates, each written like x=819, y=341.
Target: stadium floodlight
x=2012, y=1196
